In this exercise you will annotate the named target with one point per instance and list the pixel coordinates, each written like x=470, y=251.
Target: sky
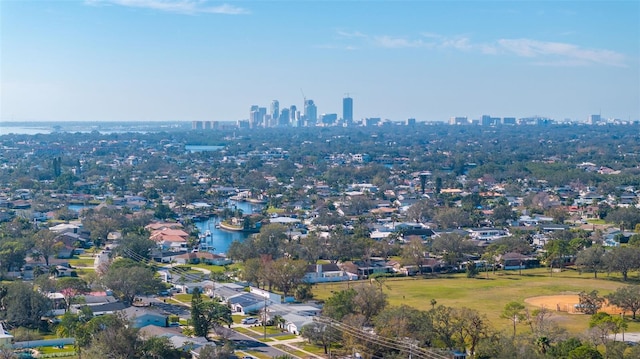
x=185, y=60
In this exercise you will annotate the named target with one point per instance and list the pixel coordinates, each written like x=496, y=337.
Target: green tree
x=340, y=304
x=217, y=314
x=627, y=298
x=471, y=269
x=163, y=212
x=453, y=246
x=136, y=245
x=514, y=311
x=47, y=244
x=159, y=348
x=216, y=352
x=286, y=274
x=369, y=300
x=70, y=288
x=591, y=259
x=405, y=322
x=198, y=314
x=589, y=303
x=623, y=260
x=584, y=352
x=12, y=254
x=24, y=305
x=270, y=240
x=556, y=249
x=320, y=334
x=114, y=336
x=445, y=326
x=413, y=253
x=472, y=327
x=128, y=278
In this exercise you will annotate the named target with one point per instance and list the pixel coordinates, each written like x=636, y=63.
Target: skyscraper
x=310, y=113
x=293, y=111
x=283, y=121
x=275, y=110
x=347, y=110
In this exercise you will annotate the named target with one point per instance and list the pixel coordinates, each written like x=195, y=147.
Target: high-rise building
x=329, y=119
x=253, y=116
x=310, y=113
x=594, y=119
x=283, y=120
x=292, y=115
x=487, y=120
x=458, y=120
x=275, y=110
x=347, y=110
x=508, y=120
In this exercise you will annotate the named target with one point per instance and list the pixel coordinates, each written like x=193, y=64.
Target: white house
x=5, y=337
x=328, y=272
x=488, y=234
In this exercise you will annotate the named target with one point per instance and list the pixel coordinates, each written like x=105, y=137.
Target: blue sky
x=183, y=60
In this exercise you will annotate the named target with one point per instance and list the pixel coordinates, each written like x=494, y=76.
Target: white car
x=249, y=320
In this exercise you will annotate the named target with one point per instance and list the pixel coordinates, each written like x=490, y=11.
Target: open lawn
x=489, y=296
x=212, y=268
x=82, y=261
x=290, y=350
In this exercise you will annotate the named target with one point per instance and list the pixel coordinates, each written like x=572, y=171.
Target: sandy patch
x=566, y=303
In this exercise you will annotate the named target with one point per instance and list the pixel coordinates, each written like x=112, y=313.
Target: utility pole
x=264, y=318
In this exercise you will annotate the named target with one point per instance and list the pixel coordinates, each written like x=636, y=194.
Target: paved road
x=241, y=341
x=245, y=342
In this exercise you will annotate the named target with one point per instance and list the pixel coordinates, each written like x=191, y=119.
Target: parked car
x=249, y=320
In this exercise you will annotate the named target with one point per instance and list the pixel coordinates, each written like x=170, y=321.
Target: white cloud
x=187, y=7
x=397, y=42
x=561, y=53
x=545, y=53
x=352, y=34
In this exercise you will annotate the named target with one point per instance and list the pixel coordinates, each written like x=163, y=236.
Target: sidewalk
x=288, y=343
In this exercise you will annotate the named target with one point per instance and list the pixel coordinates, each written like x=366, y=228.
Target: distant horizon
x=205, y=60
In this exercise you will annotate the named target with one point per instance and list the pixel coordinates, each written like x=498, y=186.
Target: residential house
x=328, y=272
x=170, y=239
x=488, y=234
x=363, y=270
x=143, y=316
x=175, y=336
x=5, y=337
x=429, y=265
x=245, y=303
x=224, y=291
x=202, y=257
x=168, y=256
x=107, y=308
x=513, y=260
x=205, y=287
x=295, y=322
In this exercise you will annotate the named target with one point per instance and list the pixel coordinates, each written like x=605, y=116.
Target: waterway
x=202, y=148
x=79, y=207
x=220, y=240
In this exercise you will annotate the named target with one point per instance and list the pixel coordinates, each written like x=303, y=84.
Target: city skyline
x=184, y=60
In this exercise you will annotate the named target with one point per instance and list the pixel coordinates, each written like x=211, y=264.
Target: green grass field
x=489, y=296
x=82, y=261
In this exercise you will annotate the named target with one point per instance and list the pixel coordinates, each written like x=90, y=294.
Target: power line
x=390, y=343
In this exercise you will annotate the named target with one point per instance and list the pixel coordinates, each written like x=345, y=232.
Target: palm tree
x=543, y=343
x=278, y=321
